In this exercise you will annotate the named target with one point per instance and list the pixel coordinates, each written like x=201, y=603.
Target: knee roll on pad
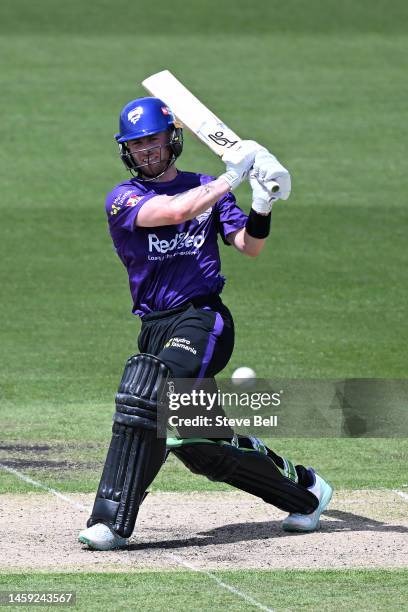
x=247, y=469
x=140, y=391
x=135, y=453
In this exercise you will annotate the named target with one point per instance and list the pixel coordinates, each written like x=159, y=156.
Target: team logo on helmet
x=135, y=114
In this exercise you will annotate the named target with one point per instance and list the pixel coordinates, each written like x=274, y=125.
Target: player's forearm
x=173, y=210
x=247, y=244
x=252, y=246
x=195, y=201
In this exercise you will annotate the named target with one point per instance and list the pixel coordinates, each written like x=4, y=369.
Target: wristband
x=258, y=226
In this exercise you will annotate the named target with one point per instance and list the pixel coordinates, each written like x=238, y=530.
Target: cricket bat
x=194, y=115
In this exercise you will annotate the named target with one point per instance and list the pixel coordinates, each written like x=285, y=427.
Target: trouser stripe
x=209, y=351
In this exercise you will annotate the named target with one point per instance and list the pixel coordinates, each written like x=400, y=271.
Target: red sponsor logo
x=165, y=110
x=133, y=200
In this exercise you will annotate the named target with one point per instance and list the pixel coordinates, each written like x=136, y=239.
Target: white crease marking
x=401, y=494
x=179, y=560
x=40, y=485
x=222, y=584
x=176, y=558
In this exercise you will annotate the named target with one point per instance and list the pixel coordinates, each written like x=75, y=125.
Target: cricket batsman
x=164, y=225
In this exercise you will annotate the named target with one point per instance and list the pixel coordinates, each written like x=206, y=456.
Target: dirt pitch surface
x=207, y=531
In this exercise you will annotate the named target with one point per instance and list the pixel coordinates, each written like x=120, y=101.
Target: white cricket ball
x=243, y=376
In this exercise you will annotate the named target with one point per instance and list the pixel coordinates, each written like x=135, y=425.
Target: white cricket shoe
x=100, y=537
x=310, y=522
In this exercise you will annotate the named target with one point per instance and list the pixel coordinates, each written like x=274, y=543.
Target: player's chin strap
x=247, y=464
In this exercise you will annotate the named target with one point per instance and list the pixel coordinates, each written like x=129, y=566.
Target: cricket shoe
x=100, y=537
x=310, y=522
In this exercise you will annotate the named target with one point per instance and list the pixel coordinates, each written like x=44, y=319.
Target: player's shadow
x=348, y=521
x=244, y=532
x=226, y=534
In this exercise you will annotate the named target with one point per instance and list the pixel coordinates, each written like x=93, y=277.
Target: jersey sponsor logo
x=182, y=343
x=183, y=240
x=135, y=114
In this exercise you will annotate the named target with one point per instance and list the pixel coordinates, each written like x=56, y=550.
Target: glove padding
x=239, y=161
x=262, y=198
x=267, y=169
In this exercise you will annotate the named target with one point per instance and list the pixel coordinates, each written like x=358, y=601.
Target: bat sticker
x=221, y=140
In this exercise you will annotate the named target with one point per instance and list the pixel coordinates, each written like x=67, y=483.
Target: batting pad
x=249, y=470
x=135, y=454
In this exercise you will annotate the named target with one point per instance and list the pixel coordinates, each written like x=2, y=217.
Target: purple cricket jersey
x=168, y=265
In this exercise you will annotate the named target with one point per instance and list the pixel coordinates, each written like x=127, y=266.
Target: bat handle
x=273, y=186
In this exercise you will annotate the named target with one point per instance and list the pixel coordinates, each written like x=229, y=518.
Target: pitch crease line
x=220, y=583
x=40, y=485
x=176, y=558
x=179, y=560
x=401, y=494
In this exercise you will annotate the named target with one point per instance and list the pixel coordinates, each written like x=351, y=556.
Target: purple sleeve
x=123, y=204
x=230, y=217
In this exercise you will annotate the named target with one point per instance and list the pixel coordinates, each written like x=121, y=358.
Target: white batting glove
x=262, y=198
x=239, y=161
x=267, y=169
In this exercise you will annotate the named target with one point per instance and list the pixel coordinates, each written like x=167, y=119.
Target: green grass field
x=323, y=84
x=377, y=590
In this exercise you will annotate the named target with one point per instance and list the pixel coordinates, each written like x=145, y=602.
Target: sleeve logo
x=133, y=200
x=124, y=199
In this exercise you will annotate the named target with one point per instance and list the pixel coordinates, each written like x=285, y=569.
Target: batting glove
x=267, y=169
x=239, y=162
x=262, y=198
